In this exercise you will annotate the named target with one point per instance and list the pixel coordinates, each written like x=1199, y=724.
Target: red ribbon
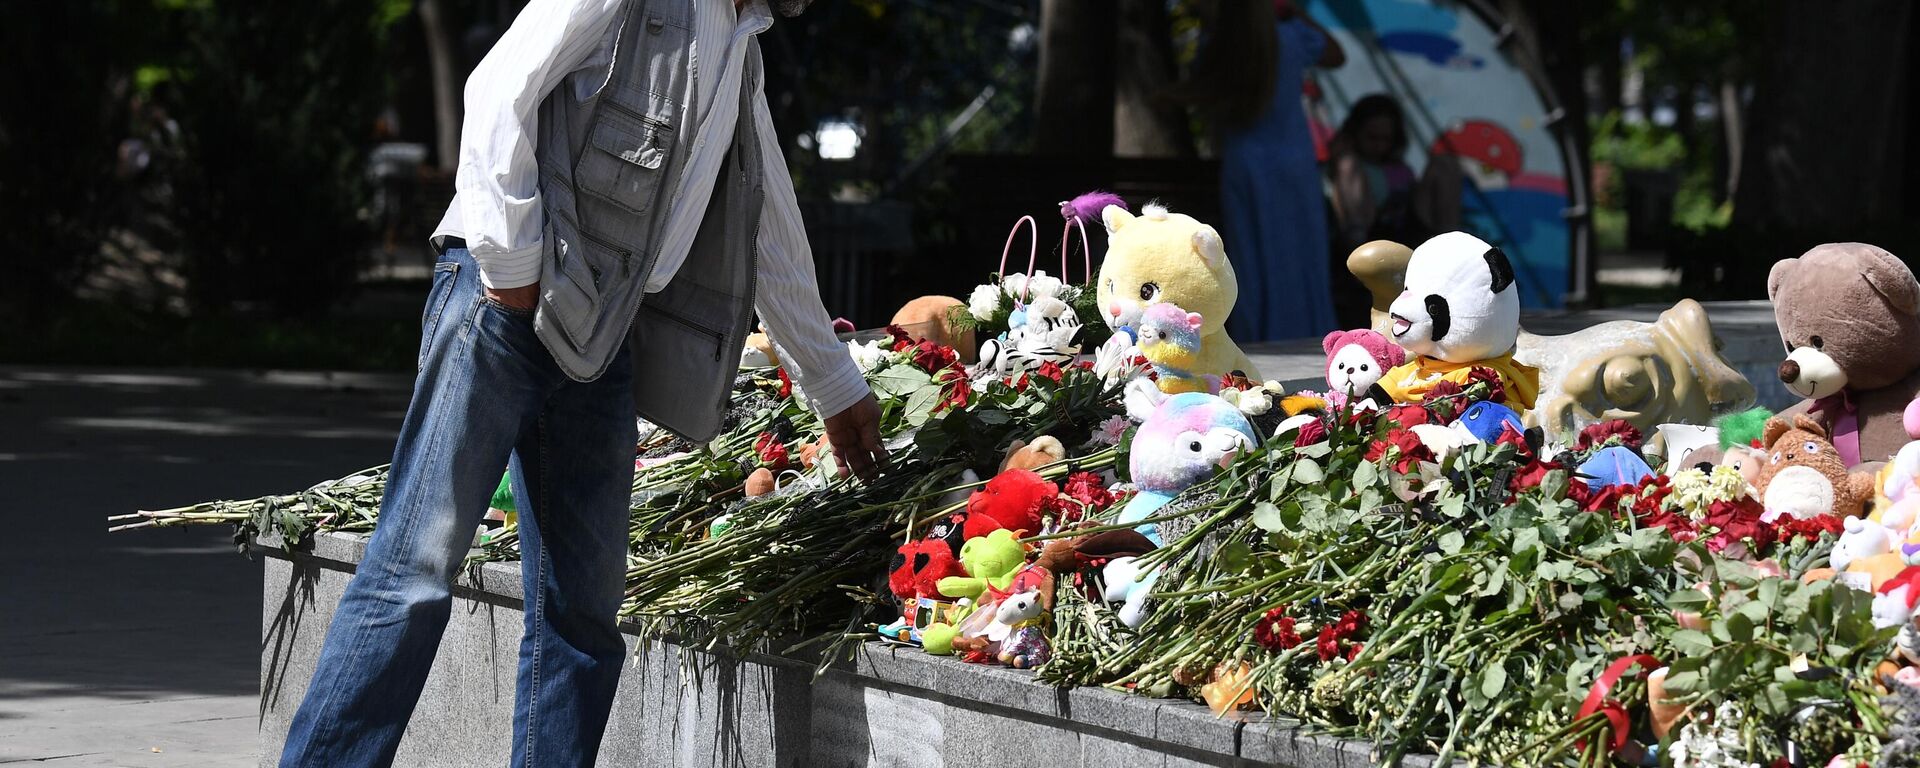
x=1597, y=700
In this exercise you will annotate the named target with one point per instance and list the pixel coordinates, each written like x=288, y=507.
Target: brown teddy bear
x=1849, y=314
x=1802, y=475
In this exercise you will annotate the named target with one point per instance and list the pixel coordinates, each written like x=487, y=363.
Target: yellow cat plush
x=1160, y=256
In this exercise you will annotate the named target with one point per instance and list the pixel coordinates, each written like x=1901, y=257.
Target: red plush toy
x=1012, y=500
x=919, y=565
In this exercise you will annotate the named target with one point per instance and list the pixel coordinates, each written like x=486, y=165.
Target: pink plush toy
x=1911, y=420
x=1357, y=359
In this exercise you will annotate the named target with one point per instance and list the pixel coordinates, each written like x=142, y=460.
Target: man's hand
x=525, y=298
x=855, y=435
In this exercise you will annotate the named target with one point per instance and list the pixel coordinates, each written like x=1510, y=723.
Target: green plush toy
x=937, y=639
x=1742, y=428
x=990, y=561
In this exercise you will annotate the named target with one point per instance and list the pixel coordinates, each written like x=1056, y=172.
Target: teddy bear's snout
x=1789, y=372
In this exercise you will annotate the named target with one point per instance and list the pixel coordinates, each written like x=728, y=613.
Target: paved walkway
x=142, y=648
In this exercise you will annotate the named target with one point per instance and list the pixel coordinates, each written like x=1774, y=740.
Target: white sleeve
x=498, y=179
x=789, y=298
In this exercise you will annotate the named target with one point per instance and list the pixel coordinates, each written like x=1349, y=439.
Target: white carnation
x=984, y=301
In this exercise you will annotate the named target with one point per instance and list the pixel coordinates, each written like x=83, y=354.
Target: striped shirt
x=497, y=208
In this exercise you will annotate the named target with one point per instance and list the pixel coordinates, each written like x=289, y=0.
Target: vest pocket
x=624, y=157
x=572, y=299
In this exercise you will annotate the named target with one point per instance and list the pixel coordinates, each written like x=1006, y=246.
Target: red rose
x=1051, y=370
x=1310, y=433
x=1490, y=378
x=1086, y=488
x=957, y=390
x=1275, y=631
x=1598, y=434
x=1326, y=644
x=786, y=385
x=933, y=357
x=1736, y=521
x=1021, y=384
x=1408, y=415
x=1407, y=447
x=772, y=452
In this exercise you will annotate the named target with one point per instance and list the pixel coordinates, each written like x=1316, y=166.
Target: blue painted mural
x=1465, y=98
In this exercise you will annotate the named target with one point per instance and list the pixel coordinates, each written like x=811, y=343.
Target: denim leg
x=476, y=393
x=574, y=478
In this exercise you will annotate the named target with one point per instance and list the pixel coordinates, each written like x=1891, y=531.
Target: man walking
x=622, y=209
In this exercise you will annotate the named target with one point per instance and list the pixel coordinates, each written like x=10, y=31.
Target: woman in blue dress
x=1274, y=209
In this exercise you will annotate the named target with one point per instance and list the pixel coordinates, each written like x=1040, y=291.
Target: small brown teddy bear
x=1849, y=314
x=1802, y=475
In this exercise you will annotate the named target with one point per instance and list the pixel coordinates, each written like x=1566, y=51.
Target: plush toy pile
x=1108, y=494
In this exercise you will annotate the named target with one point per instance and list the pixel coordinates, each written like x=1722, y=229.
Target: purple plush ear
x=1087, y=207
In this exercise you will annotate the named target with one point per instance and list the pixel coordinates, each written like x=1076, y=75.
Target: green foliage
x=275, y=111
x=1635, y=145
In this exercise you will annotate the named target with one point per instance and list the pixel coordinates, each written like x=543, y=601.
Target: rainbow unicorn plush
x=1186, y=438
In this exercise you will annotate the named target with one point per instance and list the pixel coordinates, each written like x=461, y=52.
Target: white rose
x=867, y=356
x=984, y=301
x=1013, y=284
x=1043, y=287
x=1254, y=402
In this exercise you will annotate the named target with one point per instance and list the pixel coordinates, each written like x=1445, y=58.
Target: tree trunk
x=1733, y=126
x=1145, y=122
x=1825, y=151
x=1549, y=33
x=446, y=84
x=1073, y=104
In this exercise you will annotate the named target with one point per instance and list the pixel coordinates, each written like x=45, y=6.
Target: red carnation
x=1443, y=389
x=1310, y=433
x=1598, y=434
x=1326, y=644
x=1275, y=631
x=786, y=385
x=1086, y=488
x=1051, y=370
x=1810, y=528
x=1353, y=651
x=1496, y=386
x=901, y=341
x=772, y=452
x=1350, y=623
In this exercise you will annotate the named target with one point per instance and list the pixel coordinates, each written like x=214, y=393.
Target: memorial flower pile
x=1428, y=576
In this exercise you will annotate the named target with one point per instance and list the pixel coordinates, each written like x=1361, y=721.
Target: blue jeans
x=488, y=396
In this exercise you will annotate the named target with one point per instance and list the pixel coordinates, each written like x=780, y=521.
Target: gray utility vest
x=609, y=166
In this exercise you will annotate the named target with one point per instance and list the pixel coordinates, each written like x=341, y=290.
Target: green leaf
x=1739, y=627
x=1494, y=681
x=1691, y=642
x=1687, y=600
x=1681, y=683
x=920, y=405
x=1308, y=471
x=1365, y=475
x=900, y=380
x=1235, y=556
x=1740, y=573
x=1525, y=539
x=1496, y=580
x=1266, y=517
x=1451, y=542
